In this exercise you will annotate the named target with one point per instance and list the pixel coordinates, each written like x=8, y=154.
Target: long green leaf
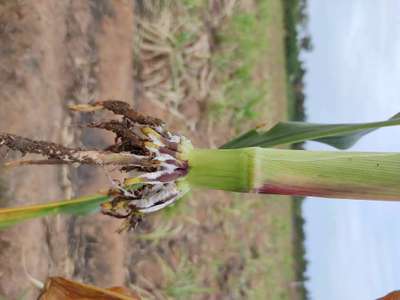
x=82, y=205
x=341, y=136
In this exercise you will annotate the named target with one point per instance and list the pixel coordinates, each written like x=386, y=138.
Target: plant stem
x=353, y=175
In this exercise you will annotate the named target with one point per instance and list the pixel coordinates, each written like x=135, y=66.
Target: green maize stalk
x=350, y=175
x=168, y=166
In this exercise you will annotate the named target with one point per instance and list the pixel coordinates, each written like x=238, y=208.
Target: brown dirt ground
x=53, y=53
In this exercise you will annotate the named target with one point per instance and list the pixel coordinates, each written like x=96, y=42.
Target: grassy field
x=210, y=72
x=229, y=246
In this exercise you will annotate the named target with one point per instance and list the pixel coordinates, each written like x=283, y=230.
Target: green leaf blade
x=340, y=136
x=81, y=205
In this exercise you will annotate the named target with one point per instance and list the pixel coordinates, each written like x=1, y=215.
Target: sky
x=353, y=247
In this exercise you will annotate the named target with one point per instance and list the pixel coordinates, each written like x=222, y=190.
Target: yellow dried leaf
x=58, y=288
x=391, y=296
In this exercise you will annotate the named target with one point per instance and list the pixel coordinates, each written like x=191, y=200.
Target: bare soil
x=55, y=53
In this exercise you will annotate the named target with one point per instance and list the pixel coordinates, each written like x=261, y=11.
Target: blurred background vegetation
x=244, y=47
x=210, y=69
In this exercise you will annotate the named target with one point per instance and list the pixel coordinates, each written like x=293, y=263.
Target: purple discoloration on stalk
x=178, y=173
x=170, y=145
x=173, y=162
x=339, y=191
x=280, y=189
x=166, y=150
x=178, y=163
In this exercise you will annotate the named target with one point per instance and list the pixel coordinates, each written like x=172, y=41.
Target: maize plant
x=160, y=166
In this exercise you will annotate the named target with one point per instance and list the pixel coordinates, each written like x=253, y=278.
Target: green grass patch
x=182, y=281
x=241, y=44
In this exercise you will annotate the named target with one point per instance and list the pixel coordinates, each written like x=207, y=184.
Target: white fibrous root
x=157, y=185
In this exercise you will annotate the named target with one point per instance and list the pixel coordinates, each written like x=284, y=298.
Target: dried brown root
x=58, y=154
x=128, y=151
x=118, y=108
x=25, y=145
x=122, y=131
x=24, y=162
